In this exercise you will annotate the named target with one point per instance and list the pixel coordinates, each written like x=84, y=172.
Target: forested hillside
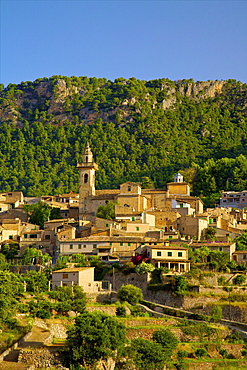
x=140, y=131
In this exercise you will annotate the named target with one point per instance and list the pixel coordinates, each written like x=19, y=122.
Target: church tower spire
x=87, y=179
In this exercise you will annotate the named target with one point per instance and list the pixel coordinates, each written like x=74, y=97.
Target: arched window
x=86, y=159
x=85, y=178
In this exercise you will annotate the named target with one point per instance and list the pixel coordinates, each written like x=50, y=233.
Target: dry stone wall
x=40, y=358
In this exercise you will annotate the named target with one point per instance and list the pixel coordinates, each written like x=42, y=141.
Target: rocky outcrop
x=202, y=89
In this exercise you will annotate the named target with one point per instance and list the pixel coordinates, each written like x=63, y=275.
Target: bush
x=239, y=280
x=128, y=268
x=221, y=280
x=137, y=311
x=223, y=353
x=144, y=267
x=130, y=293
x=235, y=337
x=43, y=314
x=121, y=311
x=216, y=314
x=201, y=352
x=182, y=354
x=244, y=352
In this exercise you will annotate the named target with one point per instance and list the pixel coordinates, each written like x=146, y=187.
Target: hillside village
x=181, y=258
x=157, y=224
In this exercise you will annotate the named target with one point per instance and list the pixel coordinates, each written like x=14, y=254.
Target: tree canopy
x=94, y=337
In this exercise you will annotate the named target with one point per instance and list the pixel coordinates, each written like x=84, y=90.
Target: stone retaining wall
x=14, y=346
x=40, y=358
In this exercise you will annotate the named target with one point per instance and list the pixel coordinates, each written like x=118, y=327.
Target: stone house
x=14, y=197
x=175, y=258
x=240, y=257
x=82, y=276
x=226, y=247
x=41, y=239
x=191, y=226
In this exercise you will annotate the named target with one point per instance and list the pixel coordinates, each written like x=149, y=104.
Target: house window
x=110, y=244
x=169, y=254
x=180, y=254
x=25, y=236
x=65, y=276
x=33, y=236
x=79, y=246
x=129, y=244
x=121, y=244
x=133, y=218
x=106, y=225
x=129, y=188
x=94, y=246
x=47, y=237
x=181, y=205
x=210, y=221
x=137, y=228
x=244, y=256
x=158, y=254
x=221, y=249
x=11, y=237
x=170, y=236
x=71, y=246
x=84, y=246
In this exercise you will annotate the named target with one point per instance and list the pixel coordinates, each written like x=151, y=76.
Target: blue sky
x=143, y=39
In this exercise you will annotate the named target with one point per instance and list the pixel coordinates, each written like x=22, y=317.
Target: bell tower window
x=85, y=178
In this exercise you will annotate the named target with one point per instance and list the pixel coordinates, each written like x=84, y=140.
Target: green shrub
x=234, y=337
x=239, y=280
x=130, y=293
x=182, y=354
x=121, y=311
x=201, y=352
x=244, y=352
x=143, y=268
x=221, y=280
x=216, y=314
x=137, y=311
x=223, y=353
x=43, y=314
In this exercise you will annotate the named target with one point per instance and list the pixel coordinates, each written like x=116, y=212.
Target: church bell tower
x=87, y=179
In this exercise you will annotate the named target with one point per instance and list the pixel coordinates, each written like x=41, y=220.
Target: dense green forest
x=136, y=129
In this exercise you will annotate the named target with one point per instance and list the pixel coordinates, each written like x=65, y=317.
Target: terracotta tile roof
x=213, y=244
x=149, y=191
x=130, y=183
x=107, y=191
x=73, y=269
x=170, y=247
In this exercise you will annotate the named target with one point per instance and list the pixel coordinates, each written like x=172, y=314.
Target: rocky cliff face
x=61, y=99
